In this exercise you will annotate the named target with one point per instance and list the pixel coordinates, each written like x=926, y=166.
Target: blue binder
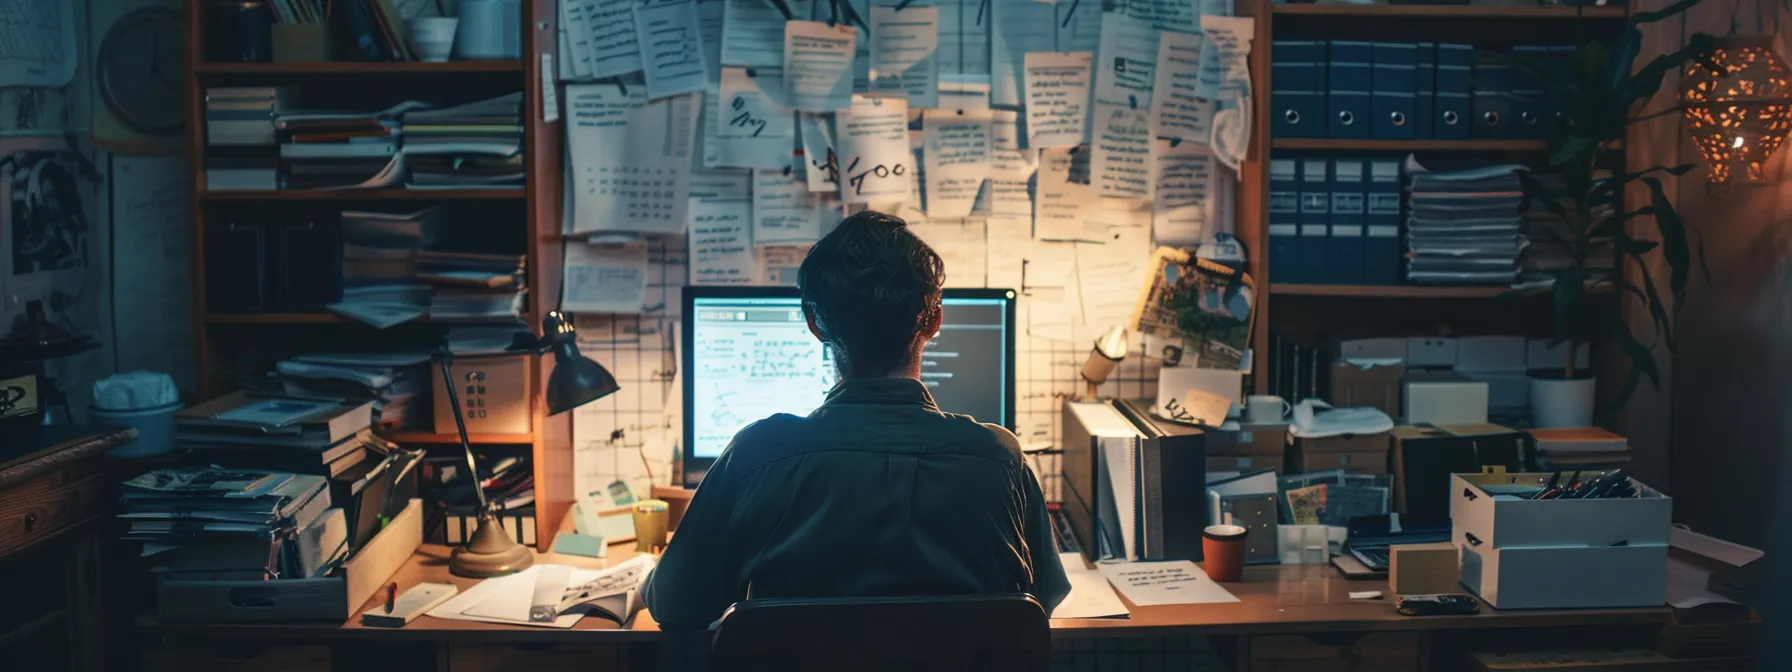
x=1284, y=220
x=1344, y=260
x=1532, y=108
x=1297, y=89
x=1394, y=107
x=1381, y=235
x=1424, y=91
x=1492, y=100
x=1454, y=63
x=1349, y=79
x=1315, y=215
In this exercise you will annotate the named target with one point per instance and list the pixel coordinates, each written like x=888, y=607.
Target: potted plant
x=1598, y=95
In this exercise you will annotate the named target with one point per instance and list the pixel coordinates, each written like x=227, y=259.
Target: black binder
x=1166, y=490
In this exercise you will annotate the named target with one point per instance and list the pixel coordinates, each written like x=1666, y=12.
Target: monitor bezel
x=695, y=467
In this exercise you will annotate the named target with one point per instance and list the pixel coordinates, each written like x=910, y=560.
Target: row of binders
x=1335, y=220
x=1408, y=90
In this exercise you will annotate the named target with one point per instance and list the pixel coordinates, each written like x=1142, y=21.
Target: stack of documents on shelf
x=215, y=523
x=303, y=434
x=484, y=339
x=341, y=150
x=473, y=284
x=1580, y=448
x=553, y=596
x=239, y=133
x=1463, y=225
x=459, y=303
x=381, y=248
x=383, y=305
x=396, y=382
x=478, y=144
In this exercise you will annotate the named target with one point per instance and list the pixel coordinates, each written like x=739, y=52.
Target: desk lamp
x=1109, y=350
x=576, y=381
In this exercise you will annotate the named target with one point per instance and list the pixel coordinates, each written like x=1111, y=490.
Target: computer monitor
x=748, y=354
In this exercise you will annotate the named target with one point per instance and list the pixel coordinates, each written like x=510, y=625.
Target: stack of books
x=379, y=265
x=473, y=285
x=1463, y=226
x=300, y=434
x=476, y=145
x=396, y=382
x=334, y=149
x=226, y=524
x=239, y=134
x=1579, y=448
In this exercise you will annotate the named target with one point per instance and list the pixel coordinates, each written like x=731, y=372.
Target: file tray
x=1522, y=523
x=331, y=598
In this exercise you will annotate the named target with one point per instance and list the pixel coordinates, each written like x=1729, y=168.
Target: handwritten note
x=604, y=278
x=575, y=41
x=671, y=48
x=1182, y=208
x=1176, y=112
x=957, y=158
x=1150, y=584
x=753, y=31
x=720, y=252
x=784, y=211
x=822, y=161
x=1059, y=208
x=750, y=126
x=778, y=264
x=875, y=161
x=1121, y=164
x=904, y=46
x=1224, y=68
x=1128, y=61
x=722, y=184
x=631, y=158
x=612, y=43
x=1182, y=15
x=818, y=65
x=961, y=245
x=1057, y=98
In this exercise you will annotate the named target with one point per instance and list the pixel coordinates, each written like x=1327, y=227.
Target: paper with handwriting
x=1057, y=98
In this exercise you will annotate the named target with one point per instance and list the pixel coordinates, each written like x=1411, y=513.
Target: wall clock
x=142, y=74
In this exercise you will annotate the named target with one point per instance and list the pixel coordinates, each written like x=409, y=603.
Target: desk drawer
x=1336, y=652
x=537, y=658
x=48, y=504
x=225, y=658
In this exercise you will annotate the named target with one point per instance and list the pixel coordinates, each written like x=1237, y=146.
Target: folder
x=1344, y=260
x=1315, y=217
x=1135, y=484
x=1349, y=79
x=1491, y=103
x=1381, y=235
x=1454, y=65
x=1297, y=89
x=1424, y=89
x=1284, y=220
x=1394, y=83
x=1531, y=105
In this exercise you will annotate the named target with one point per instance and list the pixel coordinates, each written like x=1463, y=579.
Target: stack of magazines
x=221, y=524
x=1463, y=226
x=476, y=145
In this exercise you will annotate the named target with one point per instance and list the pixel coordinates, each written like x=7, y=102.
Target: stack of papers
x=478, y=144
x=383, y=305
x=553, y=596
x=396, y=382
x=231, y=524
x=471, y=285
x=1463, y=225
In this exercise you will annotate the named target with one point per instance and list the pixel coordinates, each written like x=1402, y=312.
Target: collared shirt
x=875, y=494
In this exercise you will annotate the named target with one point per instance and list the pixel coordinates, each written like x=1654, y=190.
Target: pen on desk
x=391, y=595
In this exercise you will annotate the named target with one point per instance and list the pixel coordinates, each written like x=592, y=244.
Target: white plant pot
x=1557, y=403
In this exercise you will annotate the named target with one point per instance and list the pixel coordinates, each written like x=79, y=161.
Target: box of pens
x=1561, y=539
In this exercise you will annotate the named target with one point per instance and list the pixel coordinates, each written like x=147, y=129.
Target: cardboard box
x=1367, y=453
x=1425, y=456
x=1562, y=553
x=494, y=393
x=1423, y=569
x=1376, y=387
x=332, y=598
x=1443, y=398
x=1264, y=440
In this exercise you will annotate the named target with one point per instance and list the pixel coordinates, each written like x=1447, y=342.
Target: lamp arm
x=444, y=359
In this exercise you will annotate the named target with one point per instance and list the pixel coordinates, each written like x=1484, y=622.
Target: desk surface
x=1272, y=599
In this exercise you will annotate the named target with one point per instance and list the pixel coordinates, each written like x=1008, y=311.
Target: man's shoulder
x=986, y=439
x=765, y=439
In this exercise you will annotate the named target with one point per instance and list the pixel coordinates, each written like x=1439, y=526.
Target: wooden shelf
x=330, y=318
x=1354, y=145
x=1452, y=11
x=1412, y=291
x=361, y=68
x=419, y=436
x=364, y=195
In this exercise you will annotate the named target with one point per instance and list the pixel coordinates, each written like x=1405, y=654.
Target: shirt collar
x=883, y=391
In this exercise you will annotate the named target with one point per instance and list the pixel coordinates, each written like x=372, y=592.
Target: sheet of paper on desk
x=1057, y=89
x=503, y=599
x=818, y=65
x=671, y=50
x=631, y=159
x=721, y=243
x=1151, y=584
x=605, y=278
x=1090, y=595
x=753, y=31
x=904, y=47
x=612, y=42
x=1128, y=60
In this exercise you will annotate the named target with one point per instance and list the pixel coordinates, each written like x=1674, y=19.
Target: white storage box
x=1524, y=554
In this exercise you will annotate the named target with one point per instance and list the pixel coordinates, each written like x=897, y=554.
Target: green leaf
x=1569, y=288
x=1573, y=148
x=1674, y=249
x=1658, y=313
x=1642, y=363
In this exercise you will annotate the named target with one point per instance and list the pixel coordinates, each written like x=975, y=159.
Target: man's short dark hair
x=870, y=286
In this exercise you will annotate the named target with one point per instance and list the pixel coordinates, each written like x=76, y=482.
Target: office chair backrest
x=1001, y=633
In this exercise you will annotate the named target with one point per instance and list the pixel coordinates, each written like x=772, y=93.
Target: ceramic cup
x=1262, y=409
x=651, y=519
x=433, y=36
x=1222, y=552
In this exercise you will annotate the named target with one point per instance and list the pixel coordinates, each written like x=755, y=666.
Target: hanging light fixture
x=1738, y=103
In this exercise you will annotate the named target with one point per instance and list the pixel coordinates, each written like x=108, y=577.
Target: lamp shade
x=1735, y=103
x=576, y=379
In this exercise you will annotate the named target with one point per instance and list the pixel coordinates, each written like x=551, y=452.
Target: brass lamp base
x=490, y=552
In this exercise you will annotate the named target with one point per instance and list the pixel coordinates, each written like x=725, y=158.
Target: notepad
x=420, y=598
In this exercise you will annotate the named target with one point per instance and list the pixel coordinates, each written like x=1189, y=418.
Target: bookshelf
x=227, y=343
x=1360, y=309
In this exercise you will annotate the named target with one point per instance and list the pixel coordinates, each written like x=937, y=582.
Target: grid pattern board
x=625, y=435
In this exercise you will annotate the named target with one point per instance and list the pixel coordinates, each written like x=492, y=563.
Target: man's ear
x=813, y=328
x=931, y=326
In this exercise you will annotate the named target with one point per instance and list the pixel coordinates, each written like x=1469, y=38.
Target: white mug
x=1261, y=409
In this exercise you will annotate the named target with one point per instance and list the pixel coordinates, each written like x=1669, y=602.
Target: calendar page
x=631, y=158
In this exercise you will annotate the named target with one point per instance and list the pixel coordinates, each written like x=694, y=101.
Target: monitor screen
x=749, y=355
